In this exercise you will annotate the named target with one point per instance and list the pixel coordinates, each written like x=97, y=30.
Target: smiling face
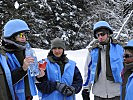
x=57, y=52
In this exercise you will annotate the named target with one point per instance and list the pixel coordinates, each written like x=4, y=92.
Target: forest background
x=71, y=20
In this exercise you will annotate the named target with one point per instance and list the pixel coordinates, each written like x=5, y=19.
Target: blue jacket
x=54, y=75
x=116, y=61
x=129, y=88
x=7, y=71
x=19, y=87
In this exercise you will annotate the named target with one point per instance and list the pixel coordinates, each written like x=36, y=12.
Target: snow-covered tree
x=71, y=20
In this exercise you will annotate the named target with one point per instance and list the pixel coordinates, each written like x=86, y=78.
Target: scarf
x=108, y=66
x=9, y=45
x=127, y=70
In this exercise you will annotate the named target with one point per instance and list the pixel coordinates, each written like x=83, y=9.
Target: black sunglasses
x=127, y=56
x=100, y=34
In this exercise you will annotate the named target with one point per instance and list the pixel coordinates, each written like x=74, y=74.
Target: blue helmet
x=14, y=26
x=101, y=24
x=129, y=44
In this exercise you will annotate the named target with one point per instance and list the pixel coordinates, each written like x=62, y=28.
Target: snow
x=16, y=4
x=79, y=56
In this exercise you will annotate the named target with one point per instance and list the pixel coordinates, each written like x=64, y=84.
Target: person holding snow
x=103, y=65
x=127, y=73
x=15, y=80
x=62, y=79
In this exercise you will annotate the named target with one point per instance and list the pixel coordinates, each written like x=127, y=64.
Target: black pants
x=99, y=98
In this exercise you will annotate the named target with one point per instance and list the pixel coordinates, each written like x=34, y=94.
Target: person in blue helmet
x=127, y=72
x=62, y=79
x=103, y=65
x=16, y=82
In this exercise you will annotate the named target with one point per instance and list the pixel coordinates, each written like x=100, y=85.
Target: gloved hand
x=64, y=89
x=61, y=87
x=70, y=90
x=85, y=94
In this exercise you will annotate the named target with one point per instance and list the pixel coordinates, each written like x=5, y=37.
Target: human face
x=102, y=36
x=57, y=52
x=21, y=37
x=128, y=57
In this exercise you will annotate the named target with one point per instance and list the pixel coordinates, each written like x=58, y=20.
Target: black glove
x=70, y=90
x=61, y=87
x=85, y=94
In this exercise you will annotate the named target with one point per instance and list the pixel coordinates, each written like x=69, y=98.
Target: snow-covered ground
x=77, y=55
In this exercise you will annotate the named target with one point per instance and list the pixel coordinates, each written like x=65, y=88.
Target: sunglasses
x=127, y=56
x=100, y=34
x=22, y=34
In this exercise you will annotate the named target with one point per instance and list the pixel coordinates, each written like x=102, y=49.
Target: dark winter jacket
x=4, y=89
x=17, y=74
x=127, y=71
x=47, y=86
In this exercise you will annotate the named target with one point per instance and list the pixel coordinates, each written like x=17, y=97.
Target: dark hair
x=129, y=49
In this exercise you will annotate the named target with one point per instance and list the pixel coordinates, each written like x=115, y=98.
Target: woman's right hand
x=42, y=73
x=27, y=61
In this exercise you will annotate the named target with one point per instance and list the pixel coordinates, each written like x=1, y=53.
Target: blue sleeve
x=129, y=89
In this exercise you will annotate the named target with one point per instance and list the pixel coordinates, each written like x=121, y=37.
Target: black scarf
x=108, y=66
x=10, y=45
